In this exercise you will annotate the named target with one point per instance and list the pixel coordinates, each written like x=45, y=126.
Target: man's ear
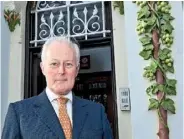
x=42, y=68
x=78, y=68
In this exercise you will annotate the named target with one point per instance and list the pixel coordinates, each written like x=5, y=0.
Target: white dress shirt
x=53, y=99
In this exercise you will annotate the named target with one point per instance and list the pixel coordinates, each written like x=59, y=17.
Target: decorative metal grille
x=78, y=19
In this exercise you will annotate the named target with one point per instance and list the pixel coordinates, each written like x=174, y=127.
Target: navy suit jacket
x=35, y=118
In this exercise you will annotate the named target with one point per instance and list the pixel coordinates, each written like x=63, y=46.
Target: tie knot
x=62, y=100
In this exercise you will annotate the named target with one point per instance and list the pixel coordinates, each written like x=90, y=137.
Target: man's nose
x=61, y=69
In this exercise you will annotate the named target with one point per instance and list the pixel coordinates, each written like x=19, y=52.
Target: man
x=57, y=113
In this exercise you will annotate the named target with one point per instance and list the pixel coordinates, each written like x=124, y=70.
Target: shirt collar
x=52, y=96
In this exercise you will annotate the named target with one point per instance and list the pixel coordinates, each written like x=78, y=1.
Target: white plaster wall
x=15, y=71
x=183, y=62
x=17, y=47
x=0, y=64
x=144, y=122
x=175, y=121
x=120, y=53
x=4, y=56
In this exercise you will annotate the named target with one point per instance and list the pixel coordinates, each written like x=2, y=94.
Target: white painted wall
x=120, y=53
x=4, y=54
x=16, y=59
x=175, y=121
x=13, y=61
x=144, y=123
x=15, y=70
x=0, y=64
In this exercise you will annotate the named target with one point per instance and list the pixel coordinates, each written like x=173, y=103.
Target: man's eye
x=54, y=64
x=68, y=64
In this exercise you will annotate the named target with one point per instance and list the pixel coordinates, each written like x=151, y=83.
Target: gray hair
x=61, y=39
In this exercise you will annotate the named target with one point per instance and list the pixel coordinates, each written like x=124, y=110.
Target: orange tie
x=64, y=118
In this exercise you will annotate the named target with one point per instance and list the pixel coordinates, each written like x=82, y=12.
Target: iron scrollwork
x=49, y=4
x=50, y=28
x=77, y=19
x=84, y=22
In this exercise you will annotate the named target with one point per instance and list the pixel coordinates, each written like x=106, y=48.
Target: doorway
x=94, y=81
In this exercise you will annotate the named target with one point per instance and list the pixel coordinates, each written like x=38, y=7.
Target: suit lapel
x=46, y=113
x=79, y=116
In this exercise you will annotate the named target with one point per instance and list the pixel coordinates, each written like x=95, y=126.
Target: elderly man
x=57, y=113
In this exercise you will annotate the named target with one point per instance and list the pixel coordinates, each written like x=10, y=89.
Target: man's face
x=59, y=67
